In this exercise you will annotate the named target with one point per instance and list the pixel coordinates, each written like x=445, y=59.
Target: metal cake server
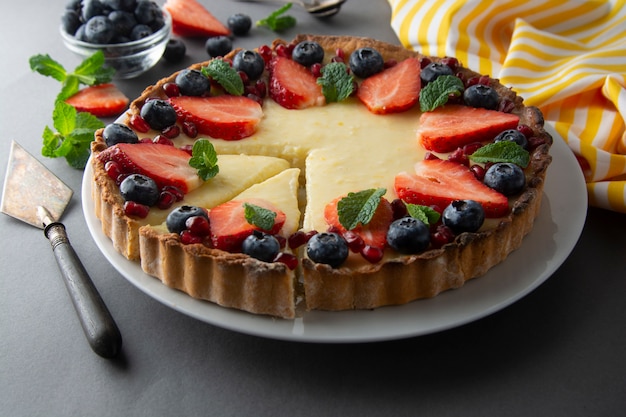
x=36, y=196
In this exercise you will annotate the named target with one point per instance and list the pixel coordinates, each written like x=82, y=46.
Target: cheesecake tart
x=334, y=173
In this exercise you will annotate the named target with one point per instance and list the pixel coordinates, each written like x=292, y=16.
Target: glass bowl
x=129, y=59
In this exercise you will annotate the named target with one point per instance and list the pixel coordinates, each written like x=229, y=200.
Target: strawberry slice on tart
x=452, y=126
x=293, y=86
x=104, y=100
x=393, y=90
x=192, y=19
x=439, y=182
x=165, y=164
x=224, y=117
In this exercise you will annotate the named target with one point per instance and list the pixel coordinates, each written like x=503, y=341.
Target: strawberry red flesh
x=192, y=19
x=165, y=164
x=393, y=90
x=104, y=100
x=293, y=86
x=439, y=182
x=224, y=117
x=453, y=126
x=229, y=227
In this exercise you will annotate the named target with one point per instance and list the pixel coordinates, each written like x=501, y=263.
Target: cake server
x=36, y=196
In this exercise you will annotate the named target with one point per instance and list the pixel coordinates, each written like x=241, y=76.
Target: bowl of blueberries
x=132, y=34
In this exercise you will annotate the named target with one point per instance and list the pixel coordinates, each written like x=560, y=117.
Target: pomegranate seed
x=187, y=148
x=506, y=106
x=316, y=70
x=355, y=242
x=171, y=89
x=430, y=156
x=372, y=254
x=535, y=141
x=283, y=50
x=139, y=124
x=282, y=241
x=136, y=210
x=424, y=61
x=171, y=132
x=198, y=226
x=175, y=191
x=188, y=238
x=244, y=77
x=484, y=80
x=451, y=62
x=255, y=98
x=121, y=178
x=339, y=53
x=459, y=157
x=478, y=171
x=470, y=148
x=145, y=140
x=162, y=140
x=190, y=129
x=442, y=236
x=390, y=63
x=399, y=209
x=297, y=239
x=166, y=199
x=113, y=169
x=333, y=229
x=471, y=81
x=261, y=88
x=337, y=59
x=525, y=129
x=288, y=259
x=265, y=52
x=436, y=208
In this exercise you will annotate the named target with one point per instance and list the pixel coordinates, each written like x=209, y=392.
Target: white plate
x=555, y=234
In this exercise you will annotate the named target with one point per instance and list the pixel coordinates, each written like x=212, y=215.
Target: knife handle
x=100, y=329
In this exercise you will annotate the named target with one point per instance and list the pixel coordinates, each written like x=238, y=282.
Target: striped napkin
x=567, y=57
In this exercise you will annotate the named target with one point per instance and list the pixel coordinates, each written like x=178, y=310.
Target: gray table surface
x=560, y=351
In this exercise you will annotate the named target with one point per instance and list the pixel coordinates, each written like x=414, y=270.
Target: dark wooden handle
x=100, y=329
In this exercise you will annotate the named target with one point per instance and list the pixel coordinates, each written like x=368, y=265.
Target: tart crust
x=238, y=281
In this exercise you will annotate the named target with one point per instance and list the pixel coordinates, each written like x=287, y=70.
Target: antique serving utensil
x=318, y=8
x=36, y=196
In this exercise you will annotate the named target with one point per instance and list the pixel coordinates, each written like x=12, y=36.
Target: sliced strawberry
x=229, y=227
x=439, y=182
x=449, y=127
x=224, y=117
x=393, y=90
x=293, y=86
x=104, y=100
x=165, y=164
x=375, y=232
x=192, y=19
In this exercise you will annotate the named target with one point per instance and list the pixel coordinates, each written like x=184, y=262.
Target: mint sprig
x=436, y=93
x=204, y=159
x=503, y=151
x=276, y=21
x=359, y=208
x=73, y=135
x=260, y=217
x=427, y=215
x=224, y=75
x=337, y=84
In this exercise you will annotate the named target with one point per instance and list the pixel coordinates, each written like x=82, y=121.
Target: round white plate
x=555, y=234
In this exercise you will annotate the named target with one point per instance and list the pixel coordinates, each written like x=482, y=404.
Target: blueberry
x=125, y=5
x=327, y=248
x=147, y=11
x=408, y=235
x=93, y=8
x=159, y=114
x=177, y=218
x=513, y=135
x=463, y=216
x=99, y=29
x=175, y=51
x=261, y=246
x=480, y=95
x=434, y=70
x=140, y=189
x=365, y=62
x=118, y=133
x=123, y=22
x=250, y=62
x=140, y=32
x=308, y=53
x=506, y=178
x=218, y=46
x=70, y=20
x=192, y=82
x=239, y=24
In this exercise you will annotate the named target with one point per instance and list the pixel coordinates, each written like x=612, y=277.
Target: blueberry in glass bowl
x=132, y=40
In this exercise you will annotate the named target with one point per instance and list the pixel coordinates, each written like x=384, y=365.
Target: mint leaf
x=260, y=217
x=359, y=208
x=47, y=66
x=92, y=71
x=426, y=214
x=204, y=159
x=225, y=75
x=503, y=151
x=337, y=84
x=276, y=22
x=64, y=118
x=436, y=93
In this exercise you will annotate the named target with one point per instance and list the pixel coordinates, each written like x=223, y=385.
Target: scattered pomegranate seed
x=471, y=81
x=390, y=63
x=337, y=59
x=288, y=259
x=296, y=239
x=255, y=98
x=187, y=148
x=372, y=254
x=244, y=77
x=139, y=124
x=175, y=191
x=316, y=70
x=113, y=169
x=166, y=199
x=459, y=157
x=506, y=106
x=190, y=129
x=261, y=88
x=355, y=242
x=339, y=53
x=484, y=80
x=470, y=148
x=136, y=210
x=266, y=53
x=145, y=140
x=526, y=130
x=162, y=140
x=188, y=238
x=451, y=62
x=333, y=229
x=436, y=208
x=171, y=89
x=283, y=50
x=535, y=141
x=198, y=226
x=171, y=132
x=478, y=171
x=442, y=236
x=399, y=209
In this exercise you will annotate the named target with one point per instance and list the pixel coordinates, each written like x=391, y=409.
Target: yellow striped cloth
x=567, y=57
